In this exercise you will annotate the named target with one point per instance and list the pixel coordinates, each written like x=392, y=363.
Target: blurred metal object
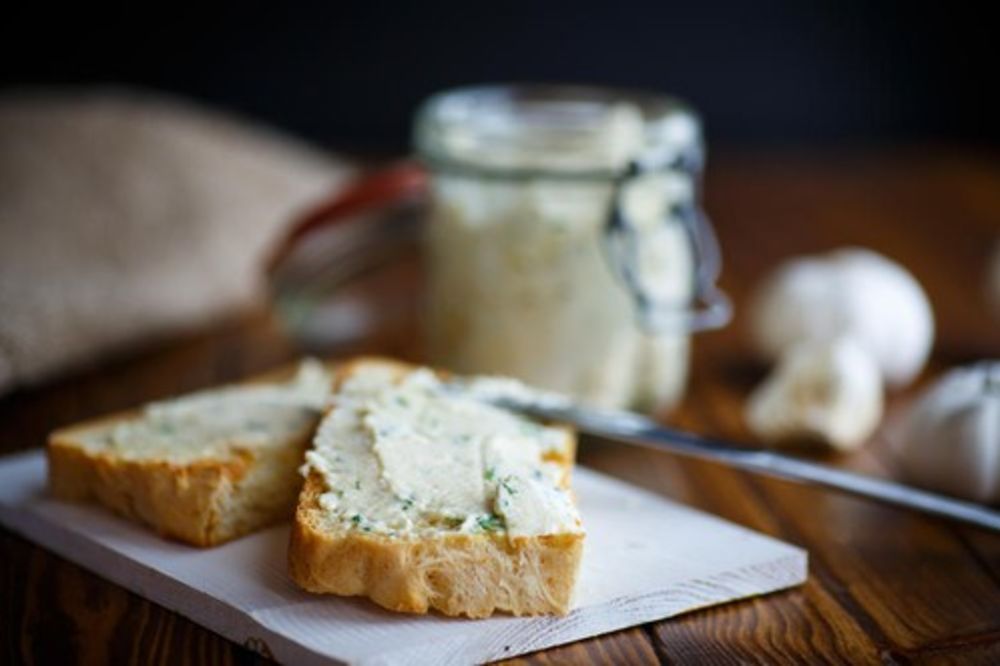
x=318, y=272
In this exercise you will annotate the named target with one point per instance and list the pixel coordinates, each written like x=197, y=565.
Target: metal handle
x=710, y=308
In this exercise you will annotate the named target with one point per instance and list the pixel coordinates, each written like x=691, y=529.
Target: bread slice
x=204, y=468
x=395, y=508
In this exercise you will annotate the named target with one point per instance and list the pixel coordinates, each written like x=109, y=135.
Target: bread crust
x=204, y=502
x=473, y=575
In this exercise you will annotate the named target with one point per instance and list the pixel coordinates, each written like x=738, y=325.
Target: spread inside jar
x=520, y=280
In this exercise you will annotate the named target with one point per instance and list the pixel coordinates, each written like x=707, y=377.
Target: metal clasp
x=709, y=307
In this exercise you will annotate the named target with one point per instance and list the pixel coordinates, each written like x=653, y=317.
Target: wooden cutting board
x=646, y=559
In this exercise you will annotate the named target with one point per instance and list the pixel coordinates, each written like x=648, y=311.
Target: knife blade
x=636, y=429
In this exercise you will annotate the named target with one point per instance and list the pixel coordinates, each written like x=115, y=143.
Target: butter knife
x=636, y=429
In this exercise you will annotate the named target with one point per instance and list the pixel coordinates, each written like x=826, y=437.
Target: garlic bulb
x=823, y=391
x=949, y=440
x=850, y=292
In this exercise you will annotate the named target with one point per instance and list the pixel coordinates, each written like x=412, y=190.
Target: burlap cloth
x=126, y=215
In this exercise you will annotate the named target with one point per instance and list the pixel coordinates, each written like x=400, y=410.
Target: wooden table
x=885, y=585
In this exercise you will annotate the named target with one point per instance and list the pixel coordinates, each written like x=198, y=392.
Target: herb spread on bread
x=406, y=457
x=203, y=468
x=207, y=423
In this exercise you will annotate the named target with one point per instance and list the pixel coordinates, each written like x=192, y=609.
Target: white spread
x=519, y=282
x=410, y=458
x=209, y=423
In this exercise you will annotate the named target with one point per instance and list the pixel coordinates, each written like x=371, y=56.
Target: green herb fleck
x=506, y=486
x=407, y=503
x=402, y=401
x=356, y=519
x=490, y=523
x=357, y=485
x=489, y=474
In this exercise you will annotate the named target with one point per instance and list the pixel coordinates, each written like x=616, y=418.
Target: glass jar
x=565, y=244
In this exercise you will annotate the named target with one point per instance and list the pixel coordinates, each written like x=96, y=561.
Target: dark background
x=349, y=74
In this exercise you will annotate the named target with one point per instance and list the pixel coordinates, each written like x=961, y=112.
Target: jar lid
x=556, y=131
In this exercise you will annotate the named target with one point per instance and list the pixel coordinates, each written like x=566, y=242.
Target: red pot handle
x=384, y=187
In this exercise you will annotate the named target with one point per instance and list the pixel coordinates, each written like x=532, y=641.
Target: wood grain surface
x=886, y=586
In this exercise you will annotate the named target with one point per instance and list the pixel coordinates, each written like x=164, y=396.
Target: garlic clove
x=949, y=440
x=849, y=292
x=826, y=392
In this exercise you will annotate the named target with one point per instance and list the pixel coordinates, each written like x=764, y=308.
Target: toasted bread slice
x=204, y=468
x=421, y=500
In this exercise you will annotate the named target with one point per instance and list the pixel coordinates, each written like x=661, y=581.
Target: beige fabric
x=127, y=215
